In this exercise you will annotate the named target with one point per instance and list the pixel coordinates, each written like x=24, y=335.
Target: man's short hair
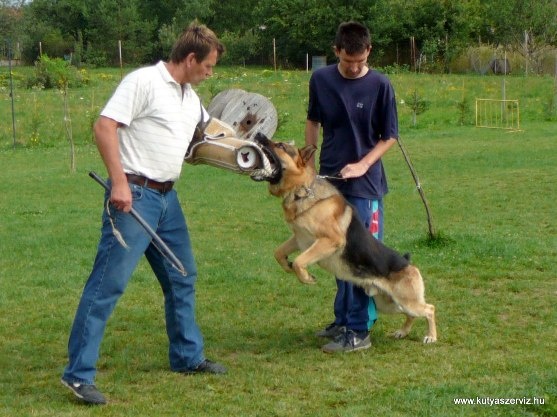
x=196, y=38
x=353, y=37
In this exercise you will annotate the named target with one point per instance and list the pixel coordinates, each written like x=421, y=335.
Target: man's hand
x=359, y=168
x=121, y=196
x=354, y=170
x=106, y=137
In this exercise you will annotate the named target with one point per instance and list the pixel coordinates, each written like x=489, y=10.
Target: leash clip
x=334, y=177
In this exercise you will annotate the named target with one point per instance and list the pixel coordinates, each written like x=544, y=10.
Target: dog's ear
x=307, y=152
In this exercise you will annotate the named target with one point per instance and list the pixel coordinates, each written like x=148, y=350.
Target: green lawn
x=491, y=276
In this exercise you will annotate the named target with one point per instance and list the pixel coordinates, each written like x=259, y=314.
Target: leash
x=418, y=187
x=334, y=177
x=157, y=241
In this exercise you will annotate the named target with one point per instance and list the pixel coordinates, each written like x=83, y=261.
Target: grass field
x=492, y=276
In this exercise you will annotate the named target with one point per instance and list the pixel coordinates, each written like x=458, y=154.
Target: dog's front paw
x=429, y=339
x=307, y=279
x=285, y=264
x=400, y=334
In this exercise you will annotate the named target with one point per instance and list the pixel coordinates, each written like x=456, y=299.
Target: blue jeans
x=112, y=270
x=353, y=307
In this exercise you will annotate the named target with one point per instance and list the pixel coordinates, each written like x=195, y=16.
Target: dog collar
x=306, y=193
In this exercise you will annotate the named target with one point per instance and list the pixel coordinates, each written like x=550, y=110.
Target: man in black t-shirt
x=356, y=107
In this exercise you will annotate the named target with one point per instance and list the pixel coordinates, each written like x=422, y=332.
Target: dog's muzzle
x=266, y=145
x=216, y=144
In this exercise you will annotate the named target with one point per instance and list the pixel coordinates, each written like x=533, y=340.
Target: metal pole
x=275, y=54
x=120, y=56
x=158, y=242
x=11, y=88
x=504, y=92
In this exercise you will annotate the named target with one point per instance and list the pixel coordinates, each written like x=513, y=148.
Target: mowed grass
x=491, y=275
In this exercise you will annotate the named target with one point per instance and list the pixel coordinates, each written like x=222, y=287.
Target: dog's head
x=290, y=168
x=266, y=145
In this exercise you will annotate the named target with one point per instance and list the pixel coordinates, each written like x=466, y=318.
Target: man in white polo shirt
x=142, y=135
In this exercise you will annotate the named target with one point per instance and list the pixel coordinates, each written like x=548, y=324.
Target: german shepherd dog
x=327, y=231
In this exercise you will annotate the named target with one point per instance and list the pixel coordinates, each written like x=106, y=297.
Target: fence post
x=11, y=88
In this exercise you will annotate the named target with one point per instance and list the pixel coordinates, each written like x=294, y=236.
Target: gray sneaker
x=207, y=367
x=332, y=331
x=349, y=341
x=87, y=393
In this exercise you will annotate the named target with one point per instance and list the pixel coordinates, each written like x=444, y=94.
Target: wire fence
x=39, y=118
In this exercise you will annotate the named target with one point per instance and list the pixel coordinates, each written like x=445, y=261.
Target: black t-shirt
x=355, y=114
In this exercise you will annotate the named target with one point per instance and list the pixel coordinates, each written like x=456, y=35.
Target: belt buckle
x=164, y=187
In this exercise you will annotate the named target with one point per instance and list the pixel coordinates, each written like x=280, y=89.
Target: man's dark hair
x=353, y=37
x=196, y=38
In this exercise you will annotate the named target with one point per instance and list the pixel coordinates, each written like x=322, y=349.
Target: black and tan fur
x=327, y=231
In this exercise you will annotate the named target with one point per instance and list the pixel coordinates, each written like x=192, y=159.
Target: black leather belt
x=162, y=187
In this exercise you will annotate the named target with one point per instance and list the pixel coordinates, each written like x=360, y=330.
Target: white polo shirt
x=159, y=119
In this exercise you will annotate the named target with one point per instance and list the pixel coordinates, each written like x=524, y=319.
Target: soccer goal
x=497, y=114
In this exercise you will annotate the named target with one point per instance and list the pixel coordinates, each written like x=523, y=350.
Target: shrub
x=55, y=73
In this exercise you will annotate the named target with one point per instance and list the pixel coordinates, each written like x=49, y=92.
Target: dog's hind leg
x=432, y=328
x=282, y=252
x=411, y=309
x=407, y=290
x=414, y=310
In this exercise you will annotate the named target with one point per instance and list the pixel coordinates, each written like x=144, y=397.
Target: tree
x=161, y=12
x=56, y=25
x=302, y=27
x=68, y=16
x=232, y=16
x=9, y=19
x=147, y=28
x=60, y=72
x=523, y=26
x=442, y=28
x=95, y=27
x=10, y=28
x=111, y=21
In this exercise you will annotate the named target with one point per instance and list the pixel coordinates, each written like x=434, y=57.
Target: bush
x=5, y=78
x=55, y=73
